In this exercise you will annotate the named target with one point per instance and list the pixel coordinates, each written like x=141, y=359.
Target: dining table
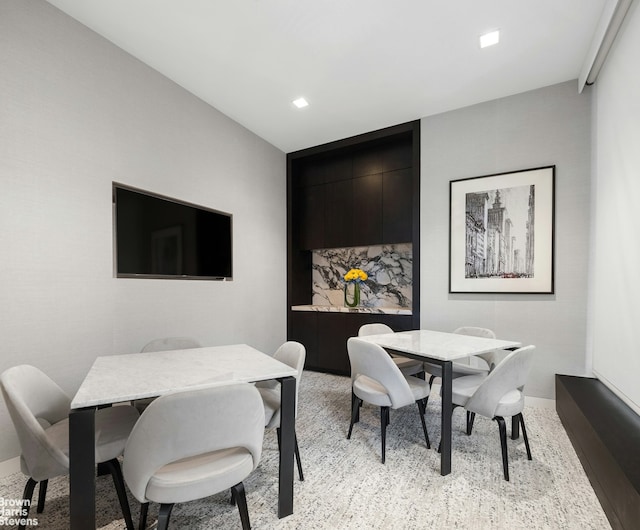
x=114, y=379
x=441, y=348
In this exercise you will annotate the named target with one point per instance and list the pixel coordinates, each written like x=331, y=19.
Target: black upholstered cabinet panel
x=303, y=328
x=367, y=209
x=396, y=206
x=311, y=215
x=338, y=217
x=332, y=349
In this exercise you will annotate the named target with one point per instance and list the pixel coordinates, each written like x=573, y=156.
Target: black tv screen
x=160, y=237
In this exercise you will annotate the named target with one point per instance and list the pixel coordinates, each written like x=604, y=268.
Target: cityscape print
x=500, y=232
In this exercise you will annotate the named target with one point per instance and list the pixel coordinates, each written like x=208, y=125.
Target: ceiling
x=361, y=64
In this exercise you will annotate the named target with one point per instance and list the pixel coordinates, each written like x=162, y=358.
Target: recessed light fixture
x=489, y=39
x=300, y=103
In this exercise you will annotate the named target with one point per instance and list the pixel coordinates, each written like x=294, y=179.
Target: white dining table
x=440, y=348
x=121, y=378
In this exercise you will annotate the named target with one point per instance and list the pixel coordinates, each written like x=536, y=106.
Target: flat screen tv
x=160, y=237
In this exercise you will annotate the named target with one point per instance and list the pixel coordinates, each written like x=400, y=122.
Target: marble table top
x=341, y=309
x=439, y=345
x=119, y=378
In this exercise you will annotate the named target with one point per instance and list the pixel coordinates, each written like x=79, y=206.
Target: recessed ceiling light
x=489, y=39
x=300, y=103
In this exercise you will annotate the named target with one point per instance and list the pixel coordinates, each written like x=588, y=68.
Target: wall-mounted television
x=161, y=237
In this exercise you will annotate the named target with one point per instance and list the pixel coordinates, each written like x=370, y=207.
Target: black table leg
x=445, y=435
x=287, y=445
x=82, y=482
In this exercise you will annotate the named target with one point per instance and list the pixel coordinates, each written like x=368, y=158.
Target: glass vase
x=352, y=299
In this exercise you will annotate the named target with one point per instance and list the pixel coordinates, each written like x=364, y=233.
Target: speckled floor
x=346, y=486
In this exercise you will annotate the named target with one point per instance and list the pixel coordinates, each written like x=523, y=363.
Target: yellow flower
x=356, y=275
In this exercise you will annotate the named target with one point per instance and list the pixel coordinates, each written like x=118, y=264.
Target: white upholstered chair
x=461, y=368
x=164, y=344
x=407, y=366
x=376, y=379
x=194, y=444
x=292, y=354
x=170, y=343
x=498, y=395
x=39, y=409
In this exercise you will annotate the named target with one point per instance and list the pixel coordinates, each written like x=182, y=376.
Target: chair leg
x=431, y=378
x=353, y=400
x=241, y=500
x=471, y=416
x=524, y=435
x=163, y=516
x=354, y=413
x=384, y=421
x=42, y=495
x=144, y=510
x=27, y=495
x=421, y=410
x=503, y=443
x=297, y=453
x=118, y=482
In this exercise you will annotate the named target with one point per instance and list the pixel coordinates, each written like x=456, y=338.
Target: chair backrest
x=373, y=361
x=511, y=374
x=192, y=423
x=373, y=329
x=491, y=358
x=170, y=343
x=35, y=402
x=292, y=354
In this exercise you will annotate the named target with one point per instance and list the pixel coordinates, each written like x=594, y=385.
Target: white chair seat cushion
x=271, y=398
x=463, y=388
x=113, y=425
x=199, y=476
x=408, y=366
x=373, y=392
x=457, y=370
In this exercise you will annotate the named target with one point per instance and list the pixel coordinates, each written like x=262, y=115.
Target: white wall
x=615, y=257
x=77, y=113
x=549, y=126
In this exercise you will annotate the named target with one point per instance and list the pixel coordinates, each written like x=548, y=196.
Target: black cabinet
x=325, y=335
x=338, y=214
x=360, y=191
x=397, y=213
x=303, y=328
x=310, y=218
x=367, y=209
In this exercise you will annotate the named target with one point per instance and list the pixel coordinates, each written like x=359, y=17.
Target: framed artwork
x=501, y=233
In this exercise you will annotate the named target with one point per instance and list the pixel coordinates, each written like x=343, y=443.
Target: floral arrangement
x=356, y=275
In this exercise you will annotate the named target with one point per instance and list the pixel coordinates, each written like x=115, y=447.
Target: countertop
x=340, y=309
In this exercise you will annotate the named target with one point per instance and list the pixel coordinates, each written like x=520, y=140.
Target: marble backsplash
x=389, y=268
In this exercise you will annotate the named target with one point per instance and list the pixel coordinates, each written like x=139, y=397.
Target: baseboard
x=9, y=467
x=605, y=433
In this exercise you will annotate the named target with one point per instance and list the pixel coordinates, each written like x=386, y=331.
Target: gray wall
x=538, y=128
x=77, y=113
x=615, y=282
